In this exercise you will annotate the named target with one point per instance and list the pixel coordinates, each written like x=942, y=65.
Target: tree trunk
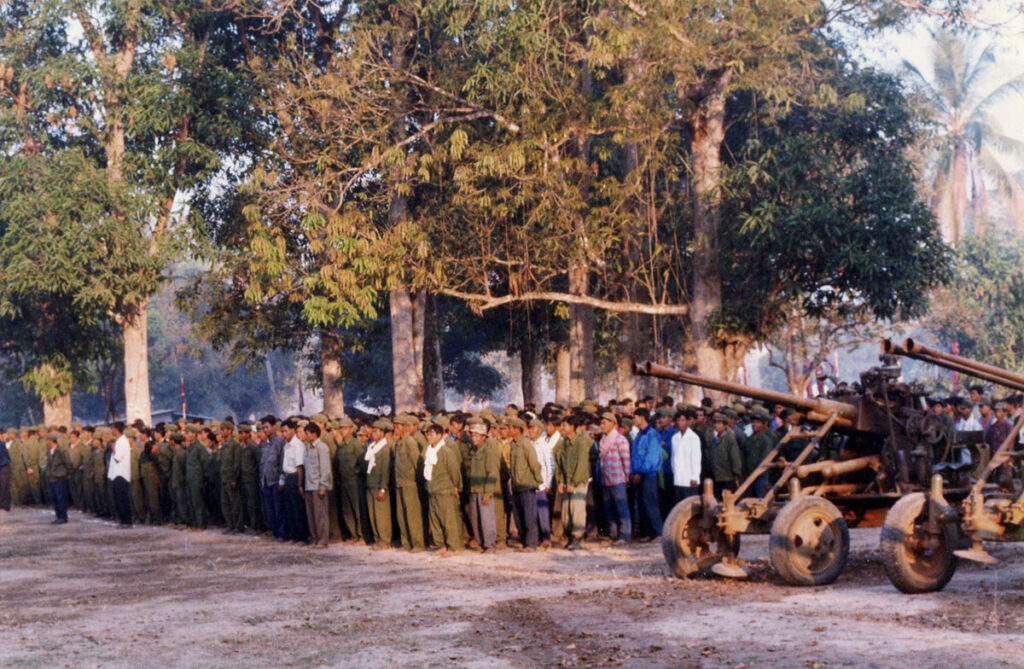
x=627, y=384
x=563, y=375
x=581, y=339
x=529, y=363
x=330, y=367
x=58, y=412
x=708, y=131
x=433, y=370
x=136, y=366
x=959, y=190
x=406, y=360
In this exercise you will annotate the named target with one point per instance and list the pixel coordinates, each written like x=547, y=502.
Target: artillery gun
x=923, y=532
x=870, y=444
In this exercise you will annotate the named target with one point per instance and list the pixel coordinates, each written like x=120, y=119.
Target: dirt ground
x=86, y=594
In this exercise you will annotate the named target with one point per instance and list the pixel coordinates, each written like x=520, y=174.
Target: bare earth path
x=86, y=594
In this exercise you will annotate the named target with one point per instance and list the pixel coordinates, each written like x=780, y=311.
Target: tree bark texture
x=406, y=351
x=529, y=363
x=58, y=412
x=136, y=366
x=433, y=370
x=331, y=375
x=563, y=374
x=581, y=339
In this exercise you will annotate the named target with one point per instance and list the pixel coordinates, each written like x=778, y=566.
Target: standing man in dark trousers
x=272, y=478
x=58, y=472
x=291, y=466
x=119, y=472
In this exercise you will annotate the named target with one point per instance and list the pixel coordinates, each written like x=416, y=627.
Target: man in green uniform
x=230, y=458
x=484, y=486
x=525, y=479
x=347, y=462
x=77, y=456
x=135, y=485
x=442, y=472
x=197, y=460
x=151, y=480
x=726, y=464
x=99, y=475
x=378, y=478
x=34, y=454
x=19, y=479
x=164, y=459
x=250, y=479
x=180, y=509
x=88, y=482
x=757, y=448
x=572, y=474
x=407, y=460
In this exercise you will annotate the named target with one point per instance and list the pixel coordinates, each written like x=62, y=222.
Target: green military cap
x=320, y=419
x=664, y=411
x=131, y=433
x=51, y=437
x=536, y=422
x=244, y=427
x=383, y=424
x=76, y=426
x=512, y=411
x=760, y=415
x=176, y=437
x=719, y=417
x=608, y=415
x=346, y=422
x=515, y=421
x=478, y=428
x=729, y=413
x=626, y=421
x=193, y=428
x=739, y=408
x=443, y=422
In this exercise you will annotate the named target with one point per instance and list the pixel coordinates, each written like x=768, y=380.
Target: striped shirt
x=614, y=458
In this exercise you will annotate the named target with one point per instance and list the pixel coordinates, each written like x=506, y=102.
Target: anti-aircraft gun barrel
x=817, y=410
x=918, y=351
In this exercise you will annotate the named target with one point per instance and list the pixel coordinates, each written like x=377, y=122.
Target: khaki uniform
x=443, y=490
x=19, y=479
x=230, y=457
x=348, y=462
x=408, y=463
x=379, y=478
x=251, y=497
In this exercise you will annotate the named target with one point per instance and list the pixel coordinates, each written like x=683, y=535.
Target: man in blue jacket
x=645, y=462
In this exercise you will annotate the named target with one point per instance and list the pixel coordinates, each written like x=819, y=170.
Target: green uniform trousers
x=410, y=517
x=380, y=518
x=350, y=510
x=231, y=507
x=445, y=521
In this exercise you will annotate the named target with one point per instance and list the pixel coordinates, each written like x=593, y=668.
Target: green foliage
x=983, y=307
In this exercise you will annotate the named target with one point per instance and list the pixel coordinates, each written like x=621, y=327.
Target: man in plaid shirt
x=614, y=455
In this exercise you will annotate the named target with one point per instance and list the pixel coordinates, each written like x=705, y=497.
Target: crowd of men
x=527, y=479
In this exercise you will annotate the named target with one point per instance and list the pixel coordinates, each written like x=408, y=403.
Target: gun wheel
x=809, y=542
x=916, y=560
x=690, y=547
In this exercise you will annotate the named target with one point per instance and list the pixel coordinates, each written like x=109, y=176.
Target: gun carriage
x=865, y=446
x=925, y=533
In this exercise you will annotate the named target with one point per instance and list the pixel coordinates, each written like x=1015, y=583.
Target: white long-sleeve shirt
x=685, y=458
x=545, y=447
x=121, y=460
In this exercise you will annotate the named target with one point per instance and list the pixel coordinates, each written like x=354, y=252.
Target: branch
x=480, y=303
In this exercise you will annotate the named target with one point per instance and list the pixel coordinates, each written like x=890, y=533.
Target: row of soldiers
x=523, y=475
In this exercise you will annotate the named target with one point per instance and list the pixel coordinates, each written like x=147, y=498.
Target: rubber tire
x=817, y=511
x=682, y=557
x=901, y=520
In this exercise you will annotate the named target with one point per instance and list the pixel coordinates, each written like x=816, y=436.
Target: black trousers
x=525, y=507
x=59, y=495
x=122, y=501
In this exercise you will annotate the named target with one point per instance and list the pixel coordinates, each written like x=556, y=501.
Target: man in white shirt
x=119, y=471
x=685, y=456
x=295, y=529
x=545, y=437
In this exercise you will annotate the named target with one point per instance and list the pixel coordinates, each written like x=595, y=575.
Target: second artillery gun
x=870, y=443
x=923, y=530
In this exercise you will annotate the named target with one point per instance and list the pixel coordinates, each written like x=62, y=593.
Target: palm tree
x=971, y=152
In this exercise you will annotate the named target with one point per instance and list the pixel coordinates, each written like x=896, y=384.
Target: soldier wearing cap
x=348, y=461
x=249, y=479
x=726, y=463
x=573, y=477
x=408, y=466
x=378, y=479
x=756, y=449
x=197, y=460
x=180, y=510
x=484, y=485
x=442, y=472
x=525, y=479
x=230, y=453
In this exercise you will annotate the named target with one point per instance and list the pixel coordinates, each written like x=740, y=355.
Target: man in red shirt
x=614, y=458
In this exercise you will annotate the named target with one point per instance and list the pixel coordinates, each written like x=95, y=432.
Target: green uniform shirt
x=349, y=461
x=574, y=464
x=756, y=449
x=446, y=476
x=251, y=463
x=525, y=468
x=230, y=462
x=164, y=459
x=408, y=459
x=380, y=476
x=484, y=469
x=726, y=464
x=197, y=461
